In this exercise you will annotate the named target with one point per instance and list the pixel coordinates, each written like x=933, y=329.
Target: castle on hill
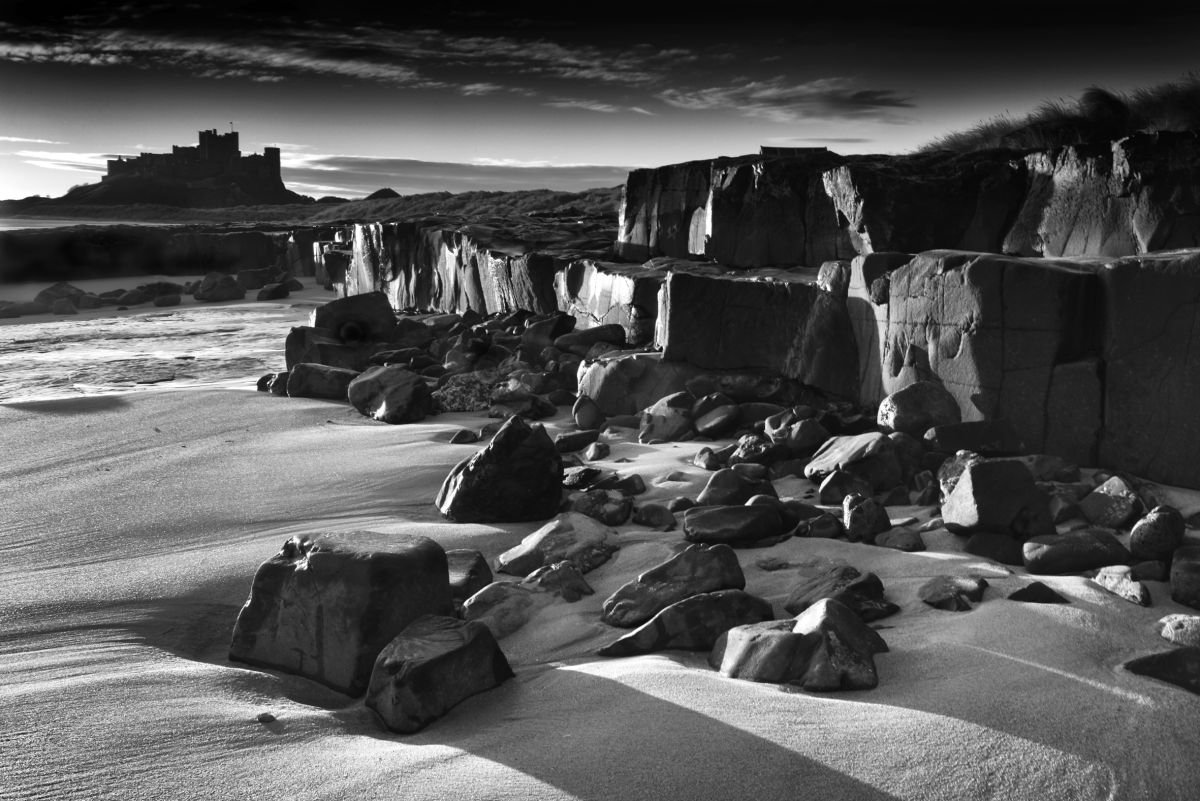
x=217, y=156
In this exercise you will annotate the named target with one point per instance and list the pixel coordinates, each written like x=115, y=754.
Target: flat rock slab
x=862, y=593
x=1074, y=552
x=571, y=537
x=693, y=624
x=1180, y=667
x=826, y=648
x=325, y=606
x=737, y=526
x=430, y=667
x=696, y=569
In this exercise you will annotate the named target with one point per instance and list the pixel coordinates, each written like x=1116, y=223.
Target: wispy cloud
x=74, y=162
x=30, y=141
x=779, y=100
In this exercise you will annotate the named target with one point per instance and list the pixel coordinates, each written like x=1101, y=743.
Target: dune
x=133, y=524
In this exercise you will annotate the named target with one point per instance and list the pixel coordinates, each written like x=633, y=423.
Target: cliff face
x=1137, y=195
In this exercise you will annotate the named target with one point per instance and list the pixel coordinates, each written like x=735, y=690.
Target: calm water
x=15, y=223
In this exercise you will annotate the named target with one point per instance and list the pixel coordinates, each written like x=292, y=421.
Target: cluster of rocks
x=64, y=298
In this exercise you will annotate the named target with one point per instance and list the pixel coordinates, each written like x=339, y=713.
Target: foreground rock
x=430, y=667
x=861, y=593
x=695, y=570
x=516, y=477
x=391, y=395
x=827, y=647
x=506, y=606
x=998, y=496
x=1074, y=552
x=693, y=624
x=738, y=526
x=325, y=606
x=1180, y=666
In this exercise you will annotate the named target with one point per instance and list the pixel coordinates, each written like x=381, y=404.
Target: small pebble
x=266, y=717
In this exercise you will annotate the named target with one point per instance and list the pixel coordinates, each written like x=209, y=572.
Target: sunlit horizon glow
x=464, y=97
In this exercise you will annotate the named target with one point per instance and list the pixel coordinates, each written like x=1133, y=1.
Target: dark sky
x=460, y=96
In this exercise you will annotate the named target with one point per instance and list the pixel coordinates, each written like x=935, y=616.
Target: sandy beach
x=134, y=521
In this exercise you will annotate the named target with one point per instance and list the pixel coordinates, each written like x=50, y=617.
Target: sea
x=18, y=223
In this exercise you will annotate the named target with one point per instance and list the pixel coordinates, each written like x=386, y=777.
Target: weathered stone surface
x=1000, y=497
x=466, y=392
x=1179, y=666
x=1074, y=552
x=1156, y=536
x=992, y=329
x=693, y=624
x=321, y=346
x=609, y=507
x=516, y=477
x=562, y=579
x=729, y=487
x=629, y=382
x=654, y=515
x=216, y=287
x=319, y=381
x=1180, y=629
x=826, y=648
x=359, y=318
x=862, y=593
x=738, y=526
x=952, y=593
x=468, y=572
x=839, y=485
x=325, y=606
x=586, y=414
x=1119, y=580
x=915, y=408
x=391, y=395
x=605, y=293
x=1037, y=593
x=787, y=326
x=870, y=456
x=667, y=419
x=433, y=665
x=864, y=518
x=569, y=537
x=696, y=569
x=1113, y=504
x=1185, y=576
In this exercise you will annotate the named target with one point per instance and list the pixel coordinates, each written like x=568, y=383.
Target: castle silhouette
x=217, y=156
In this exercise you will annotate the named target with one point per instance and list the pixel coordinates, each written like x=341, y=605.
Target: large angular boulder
x=696, y=569
x=216, y=287
x=516, y=477
x=727, y=487
x=391, y=394
x=693, y=624
x=825, y=648
x=1157, y=535
x=999, y=497
x=667, y=419
x=430, y=667
x=626, y=383
x=916, y=408
x=571, y=537
x=325, y=606
x=870, y=456
x=1113, y=504
x=359, y=318
x=468, y=572
x=1074, y=552
x=305, y=344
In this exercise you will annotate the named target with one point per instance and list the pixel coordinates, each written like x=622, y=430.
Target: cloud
x=360, y=175
x=30, y=141
x=587, y=105
x=73, y=162
x=778, y=100
x=845, y=140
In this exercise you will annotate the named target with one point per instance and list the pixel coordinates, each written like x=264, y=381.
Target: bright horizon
x=468, y=98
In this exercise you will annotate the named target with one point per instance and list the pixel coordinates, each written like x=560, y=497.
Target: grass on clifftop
x=1098, y=115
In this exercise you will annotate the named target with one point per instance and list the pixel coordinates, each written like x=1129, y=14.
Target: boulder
x=738, y=526
x=571, y=441
x=1113, y=504
x=862, y=593
x=1037, y=593
x=729, y=487
x=1157, y=535
x=656, y=516
x=916, y=408
x=1074, y=552
x=825, y=648
x=273, y=292
x=307, y=380
x=1118, y=580
x=870, y=456
x=171, y=299
x=326, y=605
x=391, y=395
x=668, y=419
x=696, y=569
x=433, y=665
x=1002, y=548
x=516, y=477
x=61, y=290
x=468, y=572
x=586, y=414
x=626, y=383
x=359, y=318
x=839, y=485
x=693, y=624
x=216, y=287
x=952, y=593
x=569, y=537
x=999, y=497
x=864, y=518
x=63, y=306
x=320, y=346
x=466, y=392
